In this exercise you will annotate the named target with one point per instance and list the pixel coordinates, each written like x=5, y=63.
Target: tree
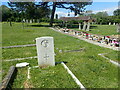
x=101, y=14
x=5, y=12
x=76, y=7
x=116, y=12
x=30, y=10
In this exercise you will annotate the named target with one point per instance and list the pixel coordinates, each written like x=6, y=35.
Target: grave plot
x=92, y=70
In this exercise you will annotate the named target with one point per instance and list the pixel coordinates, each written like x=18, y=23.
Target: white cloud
x=108, y=10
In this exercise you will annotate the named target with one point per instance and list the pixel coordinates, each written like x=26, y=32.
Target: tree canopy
x=41, y=9
x=116, y=12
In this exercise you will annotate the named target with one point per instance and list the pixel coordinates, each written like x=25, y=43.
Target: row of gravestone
x=31, y=21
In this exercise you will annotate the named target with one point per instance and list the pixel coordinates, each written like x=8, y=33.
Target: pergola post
x=88, y=26
x=79, y=26
x=84, y=26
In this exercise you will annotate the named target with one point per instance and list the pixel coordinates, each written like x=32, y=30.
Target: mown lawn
x=91, y=69
x=102, y=30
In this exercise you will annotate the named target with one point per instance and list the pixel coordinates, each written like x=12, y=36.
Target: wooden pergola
x=87, y=20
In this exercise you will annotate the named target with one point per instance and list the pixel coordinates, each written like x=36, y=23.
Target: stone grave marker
x=26, y=21
x=37, y=20
x=113, y=23
x=23, y=20
x=45, y=51
x=109, y=23
x=30, y=21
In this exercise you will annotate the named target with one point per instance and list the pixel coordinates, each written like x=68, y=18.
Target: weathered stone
x=45, y=51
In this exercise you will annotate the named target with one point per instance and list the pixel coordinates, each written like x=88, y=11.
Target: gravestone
x=79, y=26
x=23, y=20
x=45, y=51
x=109, y=23
x=37, y=20
x=30, y=21
x=84, y=26
x=26, y=21
x=113, y=23
x=88, y=26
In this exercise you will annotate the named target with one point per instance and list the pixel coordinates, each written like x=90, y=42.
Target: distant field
x=91, y=69
x=102, y=29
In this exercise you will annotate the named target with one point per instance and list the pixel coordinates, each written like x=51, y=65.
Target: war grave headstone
x=30, y=21
x=113, y=23
x=45, y=51
x=26, y=21
x=109, y=23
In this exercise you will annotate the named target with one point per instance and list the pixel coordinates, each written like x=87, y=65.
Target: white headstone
x=109, y=23
x=45, y=51
x=113, y=23
x=30, y=21
x=26, y=21
x=37, y=20
x=23, y=20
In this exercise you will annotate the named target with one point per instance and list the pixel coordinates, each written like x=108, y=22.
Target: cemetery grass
x=90, y=68
x=102, y=30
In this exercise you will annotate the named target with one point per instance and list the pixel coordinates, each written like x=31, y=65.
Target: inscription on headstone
x=45, y=51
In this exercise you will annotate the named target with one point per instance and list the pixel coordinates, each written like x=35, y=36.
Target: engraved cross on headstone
x=46, y=56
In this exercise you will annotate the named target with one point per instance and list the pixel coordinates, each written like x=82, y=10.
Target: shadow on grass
x=93, y=27
x=38, y=25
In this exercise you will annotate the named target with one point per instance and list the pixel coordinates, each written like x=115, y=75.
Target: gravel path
x=90, y=41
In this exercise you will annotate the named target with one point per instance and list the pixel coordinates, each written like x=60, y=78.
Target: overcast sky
x=97, y=6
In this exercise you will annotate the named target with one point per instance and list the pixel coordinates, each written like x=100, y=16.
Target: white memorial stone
x=30, y=21
x=113, y=23
x=26, y=21
x=45, y=51
x=109, y=23
x=37, y=20
x=23, y=20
